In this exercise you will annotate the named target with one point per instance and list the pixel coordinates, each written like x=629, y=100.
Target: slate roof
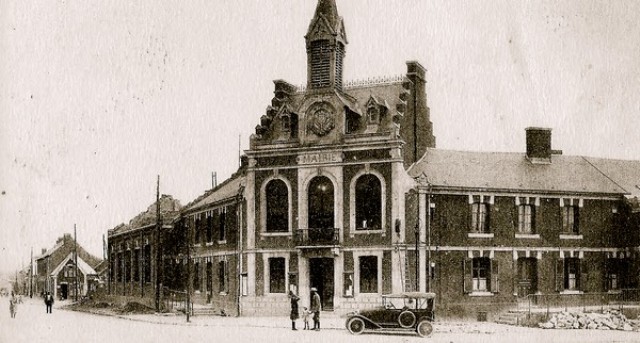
x=169, y=211
x=82, y=265
x=513, y=172
x=226, y=190
x=625, y=173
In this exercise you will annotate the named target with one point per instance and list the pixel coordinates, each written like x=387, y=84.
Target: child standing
x=305, y=317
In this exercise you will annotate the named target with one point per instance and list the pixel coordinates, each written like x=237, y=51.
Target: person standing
x=315, y=308
x=48, y=300
x=13, y=305
x=294, y=309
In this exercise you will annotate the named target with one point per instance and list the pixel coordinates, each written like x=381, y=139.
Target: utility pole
x=187, y=306
x=158, y=248
x=75, y=254
x=31, y=275
x=417, y=255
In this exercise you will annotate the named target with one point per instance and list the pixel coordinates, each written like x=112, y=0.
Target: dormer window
x=373, y=113
x=286, y=123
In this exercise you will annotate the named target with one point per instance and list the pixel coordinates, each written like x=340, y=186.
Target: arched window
x=277, y=206
x=321, y=211
x=368, y=203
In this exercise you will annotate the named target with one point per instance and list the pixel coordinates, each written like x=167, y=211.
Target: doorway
x=527, y=276
x=321, y=277
x=64, y=291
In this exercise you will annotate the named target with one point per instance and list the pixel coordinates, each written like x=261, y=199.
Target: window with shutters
x=320, y=64
x=481, y=276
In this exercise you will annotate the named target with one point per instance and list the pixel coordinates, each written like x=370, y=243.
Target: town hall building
x=344, y=190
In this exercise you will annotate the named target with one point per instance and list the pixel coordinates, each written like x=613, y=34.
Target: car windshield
x=406, y=303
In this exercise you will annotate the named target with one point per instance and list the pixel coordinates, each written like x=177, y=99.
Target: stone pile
x=609, y=320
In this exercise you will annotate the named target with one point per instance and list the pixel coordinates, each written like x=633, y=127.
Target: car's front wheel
x=424, y=328
x=355, y=325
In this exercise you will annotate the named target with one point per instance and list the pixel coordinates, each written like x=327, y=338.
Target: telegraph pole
x=75, y=253
x=189, y=273
x=31, y=275
x=158, y=252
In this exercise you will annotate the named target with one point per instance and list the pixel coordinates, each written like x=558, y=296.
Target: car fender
x=368, y=323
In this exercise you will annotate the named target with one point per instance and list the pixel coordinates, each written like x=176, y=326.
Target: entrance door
x=527, y=276
x=64, y=291
x=321, y=277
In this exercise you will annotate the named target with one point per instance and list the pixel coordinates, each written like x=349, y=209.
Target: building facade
x=56, y=271
x=343, y=189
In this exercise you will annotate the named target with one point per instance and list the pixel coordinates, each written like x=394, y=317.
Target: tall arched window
x=368, y=203
x=321, y=209
x=277, y=206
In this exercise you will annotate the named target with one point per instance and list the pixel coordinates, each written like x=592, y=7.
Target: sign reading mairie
x=320, y=158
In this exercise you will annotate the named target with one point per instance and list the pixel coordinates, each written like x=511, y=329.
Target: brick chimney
x=539, y=145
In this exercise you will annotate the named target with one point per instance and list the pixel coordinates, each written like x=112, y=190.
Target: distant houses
x=56, y=271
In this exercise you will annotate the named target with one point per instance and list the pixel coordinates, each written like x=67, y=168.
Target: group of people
x=17, y=299
x=314, y=310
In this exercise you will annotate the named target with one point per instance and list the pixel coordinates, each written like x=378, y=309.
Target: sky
x=98, y=98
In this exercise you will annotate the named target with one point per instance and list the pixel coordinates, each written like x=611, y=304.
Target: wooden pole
x=75, y=256
x=158, y=256
x=189, y=273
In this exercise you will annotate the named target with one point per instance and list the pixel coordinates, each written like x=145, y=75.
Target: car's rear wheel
x=407, y=319
x=355, y=325
x=424, y=328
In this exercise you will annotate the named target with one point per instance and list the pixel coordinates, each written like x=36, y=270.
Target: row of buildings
x=343, y=189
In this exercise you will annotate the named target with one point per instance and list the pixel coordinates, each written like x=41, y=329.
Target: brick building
x=55, y=270
x=132, y=252
x=343, y=189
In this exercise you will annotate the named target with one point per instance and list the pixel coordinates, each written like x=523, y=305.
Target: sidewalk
x=328, y=320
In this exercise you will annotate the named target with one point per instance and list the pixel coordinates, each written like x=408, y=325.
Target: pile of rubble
x=609, y=320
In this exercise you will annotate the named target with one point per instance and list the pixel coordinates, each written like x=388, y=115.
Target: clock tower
x=325, y=40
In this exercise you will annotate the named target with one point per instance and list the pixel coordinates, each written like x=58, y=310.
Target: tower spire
x=326, y=40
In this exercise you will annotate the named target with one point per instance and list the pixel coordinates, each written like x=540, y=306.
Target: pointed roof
x=326, y=18
x=84, y=267
x=329, y=10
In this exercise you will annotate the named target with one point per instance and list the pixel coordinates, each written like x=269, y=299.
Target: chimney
x=539, y=145
x=44, y=251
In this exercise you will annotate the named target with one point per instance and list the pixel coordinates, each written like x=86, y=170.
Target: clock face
x=321, y=120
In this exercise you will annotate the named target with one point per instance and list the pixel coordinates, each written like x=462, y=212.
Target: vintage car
x=402, y=312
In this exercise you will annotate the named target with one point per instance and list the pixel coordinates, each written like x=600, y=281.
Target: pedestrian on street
x=315, y=308
x=305, y=317
x=13, y=305
x=48, y=300
x=294, y=309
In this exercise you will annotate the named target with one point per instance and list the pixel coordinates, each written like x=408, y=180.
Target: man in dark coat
x=315, y=308
x=294, y=309
x=48, y=300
